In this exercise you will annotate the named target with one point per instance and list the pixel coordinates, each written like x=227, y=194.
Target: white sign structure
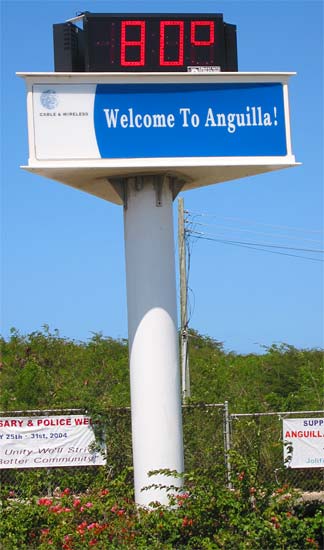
x=85, y=129
x=303, y=442
x=47, y=442
x=137, y=139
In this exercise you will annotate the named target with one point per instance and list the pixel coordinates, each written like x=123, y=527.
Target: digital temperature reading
x=150, y=43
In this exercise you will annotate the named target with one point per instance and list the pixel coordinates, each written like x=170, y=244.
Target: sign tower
x=139, y=108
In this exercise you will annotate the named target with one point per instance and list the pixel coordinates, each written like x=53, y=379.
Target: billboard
x=117, y=121
x=47, y=442
x=303, y=442
x=93, y=130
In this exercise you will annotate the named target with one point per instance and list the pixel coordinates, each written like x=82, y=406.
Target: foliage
x=204, y=515
x=283, y=378
x=44, y=370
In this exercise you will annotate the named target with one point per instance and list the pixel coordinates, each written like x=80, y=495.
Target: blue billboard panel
x=190, y=120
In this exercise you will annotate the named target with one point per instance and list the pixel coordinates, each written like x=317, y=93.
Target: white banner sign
x=304, y=442
x=47, y=442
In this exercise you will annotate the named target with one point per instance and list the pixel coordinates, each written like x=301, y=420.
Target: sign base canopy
x=101, y=181
x=86, y=130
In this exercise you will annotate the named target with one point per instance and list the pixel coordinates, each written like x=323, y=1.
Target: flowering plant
x=205, y=515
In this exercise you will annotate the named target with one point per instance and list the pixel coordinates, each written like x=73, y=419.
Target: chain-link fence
x=212, y=437
x=259, y=437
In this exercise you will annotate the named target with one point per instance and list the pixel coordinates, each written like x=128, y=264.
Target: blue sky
x=63, y=250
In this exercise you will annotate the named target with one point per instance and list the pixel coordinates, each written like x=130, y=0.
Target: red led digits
x=125, y=44
x=140, y=42
x=193, y=28
x=164, y=43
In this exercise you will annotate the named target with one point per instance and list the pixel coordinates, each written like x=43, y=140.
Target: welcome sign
x=114, y=121
x=93, y=130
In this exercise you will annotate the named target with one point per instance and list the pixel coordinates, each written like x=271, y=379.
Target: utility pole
x=185, y=375
x=227, y=444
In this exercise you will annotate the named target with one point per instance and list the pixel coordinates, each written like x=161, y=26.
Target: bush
x=205, y=515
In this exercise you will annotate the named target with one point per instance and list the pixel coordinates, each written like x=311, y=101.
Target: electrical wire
x=256, y=247
x=201, y=234
x=192, y=225
x=242, y=220
x=242, y=230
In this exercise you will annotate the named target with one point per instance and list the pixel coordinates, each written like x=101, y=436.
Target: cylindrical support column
x=153, y=338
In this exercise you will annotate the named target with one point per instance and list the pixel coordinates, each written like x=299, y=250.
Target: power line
x=249, y=221
x=255, y=247
x=192, y=223
x=242, y=230
x=259, y=244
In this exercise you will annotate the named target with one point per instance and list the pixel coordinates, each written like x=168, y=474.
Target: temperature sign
x=157, y=43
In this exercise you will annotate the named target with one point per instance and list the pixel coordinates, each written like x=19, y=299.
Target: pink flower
x=275, y=523
x=44, y=502
x=56, y=509
x=45, y=531
x=186, y=521
x=66, y=492
x=104, y=492
x=76, y=502
x=82, y=525
x=312, y=541
x=81, y=528
x=89, y=505
x=182, y=498
x=118, y=511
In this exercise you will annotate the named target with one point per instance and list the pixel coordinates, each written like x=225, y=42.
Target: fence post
x=227, y=444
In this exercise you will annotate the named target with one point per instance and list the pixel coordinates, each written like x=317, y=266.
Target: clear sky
x=63, y=250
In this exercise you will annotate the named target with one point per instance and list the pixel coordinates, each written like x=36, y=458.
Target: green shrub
x=205, y=515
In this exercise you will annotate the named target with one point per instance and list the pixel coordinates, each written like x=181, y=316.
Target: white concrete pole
x=153, y=338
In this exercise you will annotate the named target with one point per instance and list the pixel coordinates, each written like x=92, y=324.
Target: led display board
x=148, y=43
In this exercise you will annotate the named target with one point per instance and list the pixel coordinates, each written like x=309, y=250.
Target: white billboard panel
x=47, y=441
x=63, y=121
x=303, y=442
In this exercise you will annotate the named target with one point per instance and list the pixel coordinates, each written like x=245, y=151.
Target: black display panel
x=68, y=48
x=158, y=43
